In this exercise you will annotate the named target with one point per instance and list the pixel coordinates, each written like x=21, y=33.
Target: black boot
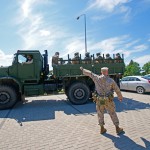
x=119, y=130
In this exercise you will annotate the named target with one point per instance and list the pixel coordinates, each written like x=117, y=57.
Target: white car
x=135, y=83
x=148, y=76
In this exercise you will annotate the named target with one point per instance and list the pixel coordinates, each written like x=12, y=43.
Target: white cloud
x=140, y=48
x=98, y=18
x=121, y=44
x=111, y=45
x=5, y=60
x=143, y=59
x=131, y=43
x=75, y=45
x=107, y=5
x=34, y=30
x=26, y=7
x=44, y=32
x=127, y=14
x=135, y=49
x=107, y=8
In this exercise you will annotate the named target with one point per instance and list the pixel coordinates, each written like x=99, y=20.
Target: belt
x=107, y=95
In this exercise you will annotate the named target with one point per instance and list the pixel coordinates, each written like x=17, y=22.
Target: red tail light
x=149, y=81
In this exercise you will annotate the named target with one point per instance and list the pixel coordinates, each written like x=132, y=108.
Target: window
x=21, y=58
x=125, y=79
x=131, y=79
x=137, y=79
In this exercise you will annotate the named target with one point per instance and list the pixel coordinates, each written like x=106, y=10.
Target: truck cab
x=22, y=78
x=27, y=73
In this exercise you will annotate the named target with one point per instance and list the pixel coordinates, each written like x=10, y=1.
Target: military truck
x=21, y=80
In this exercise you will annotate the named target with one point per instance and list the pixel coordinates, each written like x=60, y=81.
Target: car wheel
x=140, y=90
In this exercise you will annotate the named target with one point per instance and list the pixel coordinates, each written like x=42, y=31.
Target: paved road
x=52, y=123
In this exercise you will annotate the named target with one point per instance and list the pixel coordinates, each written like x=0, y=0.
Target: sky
x=112, y=26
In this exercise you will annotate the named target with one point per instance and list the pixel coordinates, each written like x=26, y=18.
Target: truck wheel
x=78, y=93
x=8, y=97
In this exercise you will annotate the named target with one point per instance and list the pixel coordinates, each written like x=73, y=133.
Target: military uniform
x=76, y=59
x=99, y=58
x=87, y=59
x=105, y=87
x=29, y=60
x=108, y=58
x=118, y=58
x=55, y=59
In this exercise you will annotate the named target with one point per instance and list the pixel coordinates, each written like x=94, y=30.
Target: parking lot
x=52, y=122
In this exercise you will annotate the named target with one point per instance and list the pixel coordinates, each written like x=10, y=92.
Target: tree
x=146, y=68
x=132, y=69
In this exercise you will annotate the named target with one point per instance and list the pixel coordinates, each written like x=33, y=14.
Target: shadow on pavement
x=147, y=93
x=130, y=104
x=123, y=142
x=46, y=109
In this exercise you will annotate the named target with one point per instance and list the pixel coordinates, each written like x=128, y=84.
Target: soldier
x=105, y=87
x=55, y=59
x=87, y=59
x=108, y=58
x=76, y=58
x=118, y=58
x=62, y=62
x=99, y=58
x=29, y=60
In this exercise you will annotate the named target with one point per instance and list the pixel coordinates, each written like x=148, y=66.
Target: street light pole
x=84, y=28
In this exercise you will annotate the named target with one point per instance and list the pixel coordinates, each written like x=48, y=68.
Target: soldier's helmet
x=87, y=54
x=57, y=53
x=107, y=55
x=98, y=54
x=76, y=54
x=118, y=54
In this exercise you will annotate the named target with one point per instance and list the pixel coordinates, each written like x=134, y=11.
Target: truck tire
x=8, y=97
x=78, y=93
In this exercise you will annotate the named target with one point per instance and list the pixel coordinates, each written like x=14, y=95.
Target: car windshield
x=146, y=77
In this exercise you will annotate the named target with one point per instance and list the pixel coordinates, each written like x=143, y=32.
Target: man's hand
x=81, y=68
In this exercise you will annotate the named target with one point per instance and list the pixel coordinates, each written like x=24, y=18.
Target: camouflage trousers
x=110, y=107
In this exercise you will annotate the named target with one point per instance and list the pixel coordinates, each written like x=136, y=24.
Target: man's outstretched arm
x=86, y=72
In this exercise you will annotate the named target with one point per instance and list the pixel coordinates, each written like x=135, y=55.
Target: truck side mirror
x=14, y=60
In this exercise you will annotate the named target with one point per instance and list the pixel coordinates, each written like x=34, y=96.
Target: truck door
x=25, y=71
